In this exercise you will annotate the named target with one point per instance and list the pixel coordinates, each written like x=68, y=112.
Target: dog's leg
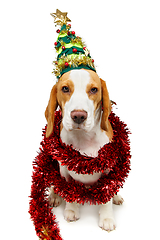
x=106, y=220
x=64, y=172
x=117, y=199
x=71, y=212
x=54, y=199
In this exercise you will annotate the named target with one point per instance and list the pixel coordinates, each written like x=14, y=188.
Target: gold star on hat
x=60, y=18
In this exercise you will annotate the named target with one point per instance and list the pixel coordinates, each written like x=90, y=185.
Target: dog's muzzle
x=79, y=116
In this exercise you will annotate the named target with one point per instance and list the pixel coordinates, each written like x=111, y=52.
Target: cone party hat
x=72, y=51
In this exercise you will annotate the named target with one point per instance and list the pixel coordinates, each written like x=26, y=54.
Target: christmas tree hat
x=72, y=51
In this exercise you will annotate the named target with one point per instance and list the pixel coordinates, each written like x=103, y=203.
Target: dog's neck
x=87, y=143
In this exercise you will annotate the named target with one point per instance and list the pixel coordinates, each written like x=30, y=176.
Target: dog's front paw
x=107, y=224
x=117, y=199
x=71, y=212
x=70, y=216
x=53, y=199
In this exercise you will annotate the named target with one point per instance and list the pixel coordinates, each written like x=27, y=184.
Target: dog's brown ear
x=106, y=105
x=49, y=113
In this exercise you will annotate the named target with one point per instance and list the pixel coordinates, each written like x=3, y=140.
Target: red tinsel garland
x=114, y=157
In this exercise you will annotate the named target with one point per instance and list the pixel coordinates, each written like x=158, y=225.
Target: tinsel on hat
x=72, y=52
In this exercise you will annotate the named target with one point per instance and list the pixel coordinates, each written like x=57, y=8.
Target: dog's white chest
x=88, y=179
x=86, y=144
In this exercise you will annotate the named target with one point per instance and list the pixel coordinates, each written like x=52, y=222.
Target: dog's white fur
x=87, y=138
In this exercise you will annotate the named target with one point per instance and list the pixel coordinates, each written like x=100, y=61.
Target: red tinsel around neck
x=114, y=157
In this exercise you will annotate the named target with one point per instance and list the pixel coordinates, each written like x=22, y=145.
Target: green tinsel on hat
x=71, y=50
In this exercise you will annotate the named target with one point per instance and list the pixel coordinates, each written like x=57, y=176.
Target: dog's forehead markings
x=80, y=78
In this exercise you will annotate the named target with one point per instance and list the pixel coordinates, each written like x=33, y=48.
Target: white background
x=124, y=39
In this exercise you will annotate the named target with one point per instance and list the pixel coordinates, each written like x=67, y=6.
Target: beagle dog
x=81, y=95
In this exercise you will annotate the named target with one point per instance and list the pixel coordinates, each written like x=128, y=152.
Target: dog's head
x=80, y=94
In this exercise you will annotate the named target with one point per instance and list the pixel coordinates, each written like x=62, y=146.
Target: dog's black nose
x=78, y=116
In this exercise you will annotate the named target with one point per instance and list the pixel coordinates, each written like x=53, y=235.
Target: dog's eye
x=94, y=90
x=65, y=89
